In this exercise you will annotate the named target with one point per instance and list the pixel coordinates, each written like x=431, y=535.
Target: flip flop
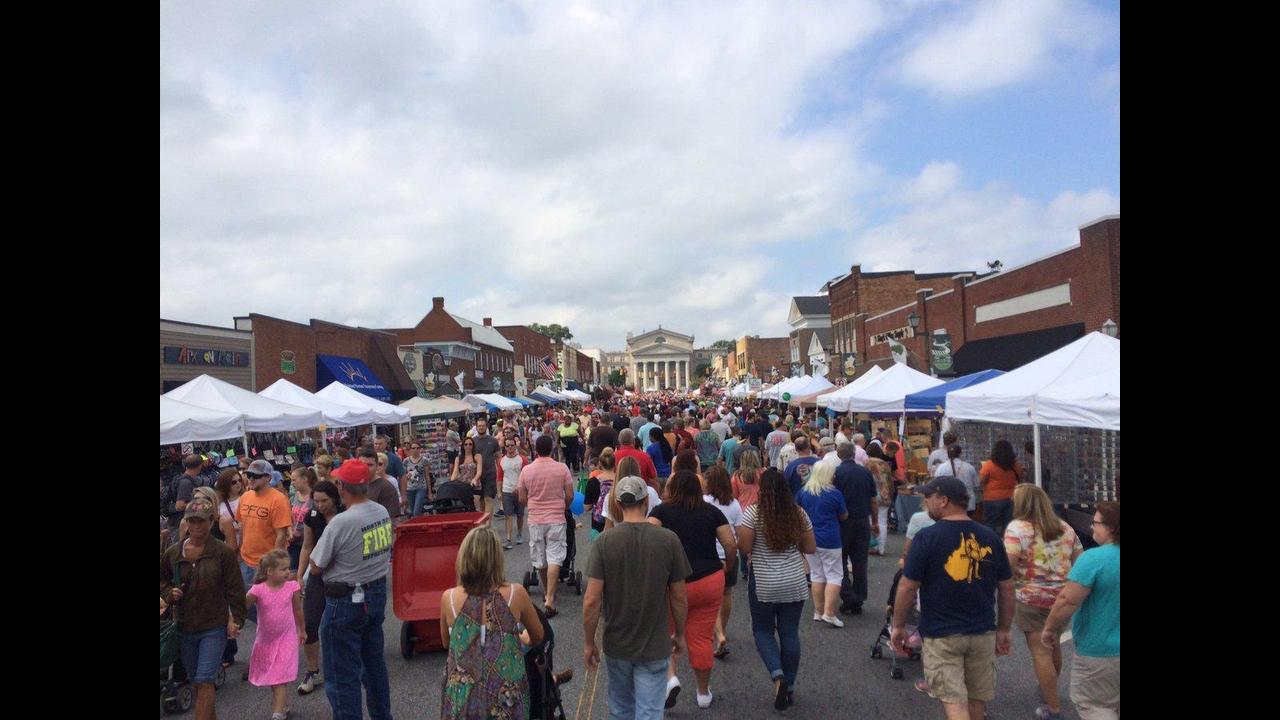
x=722, y=650
x=550, y=612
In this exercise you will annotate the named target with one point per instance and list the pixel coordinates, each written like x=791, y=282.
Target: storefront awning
x=1009, y=352
x=350, y=372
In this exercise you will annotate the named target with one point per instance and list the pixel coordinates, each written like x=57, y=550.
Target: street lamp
x=1110, y=328
x=913, y=322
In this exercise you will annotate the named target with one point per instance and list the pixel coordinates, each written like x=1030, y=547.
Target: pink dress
x=275, y=649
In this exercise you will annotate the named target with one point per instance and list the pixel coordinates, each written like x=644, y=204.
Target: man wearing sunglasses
x=265, y=521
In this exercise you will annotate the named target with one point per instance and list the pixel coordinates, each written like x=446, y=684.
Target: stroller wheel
x=182, y=700
x=876, y=652
x=406, y=641
x=896, y=673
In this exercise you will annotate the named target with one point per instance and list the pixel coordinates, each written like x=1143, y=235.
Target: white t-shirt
x=720, y=429
x=222, y=509
x=936, y=457
x=832, y=458
x=965, y=474
x=654, y=501
x=841, y=438
x=732, y=513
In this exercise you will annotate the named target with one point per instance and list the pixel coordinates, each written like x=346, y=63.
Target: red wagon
x=423, y=561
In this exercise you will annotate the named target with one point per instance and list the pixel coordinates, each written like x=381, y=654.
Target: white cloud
x=961, y=229
x=996, y=43
x=556, y=162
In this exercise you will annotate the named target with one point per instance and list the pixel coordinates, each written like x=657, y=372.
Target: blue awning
x=350, y=372
x=933, y=398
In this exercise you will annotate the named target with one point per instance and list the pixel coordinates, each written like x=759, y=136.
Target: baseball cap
x=260, y=467
x=826, y=442
x=199, y=509
x=352, y=472
x=948, y=487
x=276, y=478
x=631, y=490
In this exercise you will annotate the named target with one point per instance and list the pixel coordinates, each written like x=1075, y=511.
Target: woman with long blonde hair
x=1041, y=548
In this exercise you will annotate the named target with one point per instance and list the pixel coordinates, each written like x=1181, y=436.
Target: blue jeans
x=996, y=514
x=202, y=653
x=417, y=498
x=771, y=623
x=351, y=646
x=636, y=689
x=246, y=573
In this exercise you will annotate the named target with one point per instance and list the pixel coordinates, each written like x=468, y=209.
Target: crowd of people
x=685, y=499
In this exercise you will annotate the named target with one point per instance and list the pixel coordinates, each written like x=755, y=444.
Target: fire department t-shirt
x=958, y=564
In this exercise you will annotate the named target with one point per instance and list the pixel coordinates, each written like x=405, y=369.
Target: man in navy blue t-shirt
x=957, y=565
x=859, y=490
x=797, y=472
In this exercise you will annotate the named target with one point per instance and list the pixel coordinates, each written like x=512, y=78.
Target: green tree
x=702, y=370
x=616, y=378
x=724, y=345
x=553, y=331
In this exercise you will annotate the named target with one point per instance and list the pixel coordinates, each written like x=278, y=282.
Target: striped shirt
x=779, y=576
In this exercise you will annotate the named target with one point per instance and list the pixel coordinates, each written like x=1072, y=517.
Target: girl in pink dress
x=274, y=661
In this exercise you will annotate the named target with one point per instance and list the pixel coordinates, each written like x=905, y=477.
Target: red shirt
x=647, y=470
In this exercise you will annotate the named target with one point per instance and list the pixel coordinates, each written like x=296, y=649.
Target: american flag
x=548, y=368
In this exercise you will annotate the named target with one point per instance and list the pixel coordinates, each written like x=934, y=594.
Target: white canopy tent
x=886, y=393
x=379, y=413
x=838, y=400
x=775, y=392
x=504, y=403
x=547, y=393
x=181, y=422
x=806, y=394
x=335, y=414
x=577, y=395
x=260, y=414
x=434, y=407
x=1075, y=386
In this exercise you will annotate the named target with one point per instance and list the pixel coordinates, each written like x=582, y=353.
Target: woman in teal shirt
x=1092, y=592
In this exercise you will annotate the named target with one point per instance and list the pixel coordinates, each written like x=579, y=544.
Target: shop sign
x=410, y=363
x=497, y=385
x=940, y=352
x=202, y=356
x=288, y=362
x=901, y=333
x=796, y=369
x=849, y=364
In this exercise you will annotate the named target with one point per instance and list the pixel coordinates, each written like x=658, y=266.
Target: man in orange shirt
x=265, y=521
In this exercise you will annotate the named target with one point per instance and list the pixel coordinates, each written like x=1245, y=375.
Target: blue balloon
x=578, y=500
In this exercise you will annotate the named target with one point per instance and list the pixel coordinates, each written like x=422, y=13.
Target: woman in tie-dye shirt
x=1041, y=549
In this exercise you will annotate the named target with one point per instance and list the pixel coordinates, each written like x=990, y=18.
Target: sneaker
x=673, y=692
x=519, y=539
x=817, y=617
x=507, y=545
x=310, y=682
x=498, y=513
x=280, y=716
x=704, y=701
x=1044, y=713
x=833, y=620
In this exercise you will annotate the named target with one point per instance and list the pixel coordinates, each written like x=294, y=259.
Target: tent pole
x=1035, y=438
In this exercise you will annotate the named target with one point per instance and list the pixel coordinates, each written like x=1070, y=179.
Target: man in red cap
x=352, y=556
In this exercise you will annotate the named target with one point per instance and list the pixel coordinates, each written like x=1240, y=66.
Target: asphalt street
x=838, y=677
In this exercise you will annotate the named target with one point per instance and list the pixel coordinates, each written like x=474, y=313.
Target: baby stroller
x=451, y=496
x=914, y=642
x=544, y=686
x=176, y=693
x=568, y=575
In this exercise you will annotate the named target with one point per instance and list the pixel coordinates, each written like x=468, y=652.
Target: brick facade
x=375, y=348
x=766, y=353
x=439, y=326
x=1091, y=269
x=530, y=348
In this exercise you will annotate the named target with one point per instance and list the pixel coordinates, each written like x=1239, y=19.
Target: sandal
x=549, y=611
x=722, y=650
x=923, y=687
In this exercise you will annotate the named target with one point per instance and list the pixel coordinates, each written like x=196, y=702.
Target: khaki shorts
x=547, y=545
x=1095, y=687
x=960, y=668
x=1029, y=618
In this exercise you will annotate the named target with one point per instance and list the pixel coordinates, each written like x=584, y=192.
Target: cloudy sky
x=612, y=166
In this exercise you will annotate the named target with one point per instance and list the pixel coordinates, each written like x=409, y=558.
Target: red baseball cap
x=352, y=472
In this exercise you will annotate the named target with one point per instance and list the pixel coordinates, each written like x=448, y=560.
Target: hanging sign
x=288, y=362
x=940, y=354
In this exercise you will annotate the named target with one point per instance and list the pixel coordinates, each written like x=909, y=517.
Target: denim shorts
x=202, y=653
x=511, y=505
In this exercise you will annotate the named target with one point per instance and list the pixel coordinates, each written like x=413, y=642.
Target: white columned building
x=661, y=359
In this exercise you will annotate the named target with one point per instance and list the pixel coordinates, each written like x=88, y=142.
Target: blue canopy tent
x=934, y=399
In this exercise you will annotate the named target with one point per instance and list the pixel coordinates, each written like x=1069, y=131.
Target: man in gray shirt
x=489, y=449
x=352, y=557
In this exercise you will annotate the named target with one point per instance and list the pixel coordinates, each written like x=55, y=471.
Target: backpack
x=597, y=512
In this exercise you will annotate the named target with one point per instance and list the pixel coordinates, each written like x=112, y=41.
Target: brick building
x=528, y=349
x=310, y=355
x=1007, y=319
x=760, y=357
x=451, y=345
